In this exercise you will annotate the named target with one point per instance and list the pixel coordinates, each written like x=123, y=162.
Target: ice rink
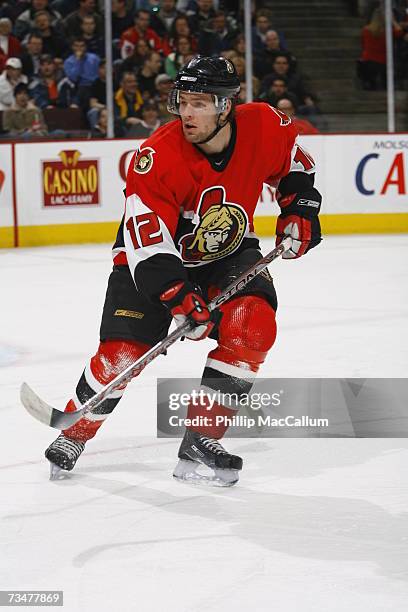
x=313, y=525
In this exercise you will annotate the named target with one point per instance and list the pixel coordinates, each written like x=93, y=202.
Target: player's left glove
x=299, y=220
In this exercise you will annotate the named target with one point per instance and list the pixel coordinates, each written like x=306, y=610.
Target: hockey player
x=187, y=231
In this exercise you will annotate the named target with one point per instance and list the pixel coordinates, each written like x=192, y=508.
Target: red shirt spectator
x=9, y=45
x=141, y=29
x=373, y=39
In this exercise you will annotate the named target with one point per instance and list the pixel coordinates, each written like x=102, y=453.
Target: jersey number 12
x=148, y=230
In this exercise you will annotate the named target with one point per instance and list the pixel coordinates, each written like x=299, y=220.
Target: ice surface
x=312, y=525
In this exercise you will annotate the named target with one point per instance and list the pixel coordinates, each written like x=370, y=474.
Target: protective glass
x=198, y=103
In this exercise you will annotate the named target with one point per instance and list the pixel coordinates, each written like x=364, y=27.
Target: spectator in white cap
x=12, y=76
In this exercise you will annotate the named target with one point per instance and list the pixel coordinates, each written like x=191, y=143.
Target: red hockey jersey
x=179, y=203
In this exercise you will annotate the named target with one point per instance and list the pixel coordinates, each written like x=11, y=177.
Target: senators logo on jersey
x=219, y=231
x=144, y=160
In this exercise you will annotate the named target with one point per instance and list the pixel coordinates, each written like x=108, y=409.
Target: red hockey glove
x=185, y=302
x=299, y=220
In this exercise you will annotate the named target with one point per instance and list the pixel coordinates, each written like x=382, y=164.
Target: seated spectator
x=9, y=79
x=97, y=99
x=148, y=123
x=303, y=125
x=401, y=67
x=128, y=102
x=181, y=27
x=163, y=84
x=3, y=60
x=148, y=73
x=30, y=56
x=278, y=89
x=140, y=29
x=12, y=10
x=401, y=45
x=100, y=129
x=201, y=17
x=162, y=20
x=371, y=68
x=175, y=60
x=134, y=61
x=82, y=69
x=9, y=44
x=65, y=7
x=54, y=42
x=239, y=64
x=26, y=21
x=192, y=5
x=72, y=23
x=263, y=61
x=122, y=18
x=49, y=90
x=239, y=45
x=94, y=42
x=281, y=67
x=220, y=37
x=263, y=24
x=24, y=118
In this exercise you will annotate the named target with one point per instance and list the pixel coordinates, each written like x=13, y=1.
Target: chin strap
x=217, y=129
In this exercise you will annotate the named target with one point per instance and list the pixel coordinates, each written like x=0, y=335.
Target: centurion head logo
x=144, y=160
x=219, y=231
x=71, y=180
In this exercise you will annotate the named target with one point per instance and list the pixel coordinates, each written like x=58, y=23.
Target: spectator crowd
x=53, y=68
x=372, y=64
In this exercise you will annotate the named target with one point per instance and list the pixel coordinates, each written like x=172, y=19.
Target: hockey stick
x=53, y=417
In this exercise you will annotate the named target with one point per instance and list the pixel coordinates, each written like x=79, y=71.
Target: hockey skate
x=199, y=454
x=63, y=454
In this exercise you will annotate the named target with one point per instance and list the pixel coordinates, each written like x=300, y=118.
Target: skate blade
x=186, y=471
x=57, y=473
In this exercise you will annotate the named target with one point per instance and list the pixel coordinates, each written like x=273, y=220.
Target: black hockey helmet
x=203, y=74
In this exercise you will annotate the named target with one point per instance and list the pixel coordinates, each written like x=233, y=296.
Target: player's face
x=198, y=116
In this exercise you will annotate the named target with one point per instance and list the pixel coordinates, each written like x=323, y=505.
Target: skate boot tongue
x=205, y=460
x=222, y=458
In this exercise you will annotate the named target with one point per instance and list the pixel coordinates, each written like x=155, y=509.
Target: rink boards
x=65, y=192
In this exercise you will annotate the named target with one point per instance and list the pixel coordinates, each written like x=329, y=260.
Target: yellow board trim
x=383, y=223
x=77, y=233
x=6, y=237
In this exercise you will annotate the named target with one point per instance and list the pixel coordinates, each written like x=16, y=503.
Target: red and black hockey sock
x=112, y=357
x=246, y=333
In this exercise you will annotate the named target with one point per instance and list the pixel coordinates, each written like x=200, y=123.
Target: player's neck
x=219, y=142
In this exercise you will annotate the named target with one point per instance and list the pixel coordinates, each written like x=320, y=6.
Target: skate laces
x=213, y=445
x=72, y=448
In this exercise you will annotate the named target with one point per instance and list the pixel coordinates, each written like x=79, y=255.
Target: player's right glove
x=299, y=220
x=185, y=302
